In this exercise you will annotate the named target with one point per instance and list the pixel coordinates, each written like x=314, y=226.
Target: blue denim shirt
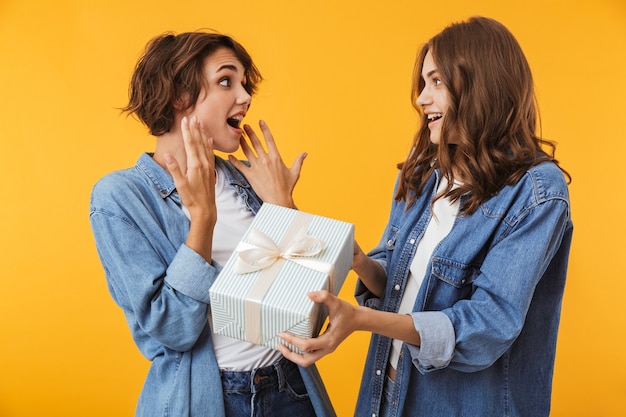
x=163, y=287
x=488, y=309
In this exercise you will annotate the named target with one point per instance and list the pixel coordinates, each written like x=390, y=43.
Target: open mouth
x=434, y=116
x=235, y=121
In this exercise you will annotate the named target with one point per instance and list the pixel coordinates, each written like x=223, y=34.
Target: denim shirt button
x=412, y=241
x=163, y=192
x=397, y=287
x=463, y=281
x=378, y=372
x=390, y=242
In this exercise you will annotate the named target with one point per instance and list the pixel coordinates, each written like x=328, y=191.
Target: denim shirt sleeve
x=437, y=341
x=482, y=328
x=362, y=294
x=182, y=274
x=161, y=284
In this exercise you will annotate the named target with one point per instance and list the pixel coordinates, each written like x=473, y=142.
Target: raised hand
x=268, y=175
x=196, y=185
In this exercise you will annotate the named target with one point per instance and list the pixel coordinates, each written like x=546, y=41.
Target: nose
x=424, y=97
x=243, y=97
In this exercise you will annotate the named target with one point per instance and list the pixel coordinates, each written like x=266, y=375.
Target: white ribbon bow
x=261, y=251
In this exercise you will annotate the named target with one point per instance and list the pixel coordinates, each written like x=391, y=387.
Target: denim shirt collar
x=162, y=179
x=164, y=182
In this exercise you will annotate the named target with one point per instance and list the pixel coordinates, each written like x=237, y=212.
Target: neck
x=171, y=143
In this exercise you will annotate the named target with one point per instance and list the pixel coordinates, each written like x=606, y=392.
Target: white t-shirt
x=440, y=224
x=233, y=219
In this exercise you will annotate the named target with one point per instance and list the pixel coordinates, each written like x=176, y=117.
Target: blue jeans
x=274, y=391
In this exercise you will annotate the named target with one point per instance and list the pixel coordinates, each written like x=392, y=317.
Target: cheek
x=210, y=111
x=442, y=101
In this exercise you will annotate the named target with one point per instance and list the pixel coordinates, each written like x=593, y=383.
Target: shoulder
x=121, y=192
x=542, y=187
x=116, y=183
x=140, y=182
x=547, y=182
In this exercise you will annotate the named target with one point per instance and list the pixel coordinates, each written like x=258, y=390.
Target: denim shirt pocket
x=450, y=282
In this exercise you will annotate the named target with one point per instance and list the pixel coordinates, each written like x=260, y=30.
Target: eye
x=225, y=82
x=437, y=81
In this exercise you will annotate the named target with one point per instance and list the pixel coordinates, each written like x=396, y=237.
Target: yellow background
x=337, y=86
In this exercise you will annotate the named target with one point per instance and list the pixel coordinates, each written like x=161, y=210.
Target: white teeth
x=239, y=117
x=433, y=116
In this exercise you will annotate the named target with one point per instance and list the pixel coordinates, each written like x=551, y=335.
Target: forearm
x=394, y=325
x=371, y=273
x=200, y=237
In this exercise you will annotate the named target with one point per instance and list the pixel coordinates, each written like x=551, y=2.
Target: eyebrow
x=431, y=72
x=227, y=67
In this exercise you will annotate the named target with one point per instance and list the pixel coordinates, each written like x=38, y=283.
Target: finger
x=237, y=163
x=296, y=168
x=174, y=169
x=299, y=342
x=269, y=138
x=191, y=150
x=304, y=359
x=198, y=142
x=247, y=151
x=207, y=145
x=298, y=359
x=254, y=140
x=321, y=296
x=290, y=355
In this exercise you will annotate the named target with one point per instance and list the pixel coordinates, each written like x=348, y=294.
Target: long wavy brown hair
x=492, y=116
x=170, y=73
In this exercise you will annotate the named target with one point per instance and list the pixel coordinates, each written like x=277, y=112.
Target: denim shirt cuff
x=437, y=341
x=190, y=274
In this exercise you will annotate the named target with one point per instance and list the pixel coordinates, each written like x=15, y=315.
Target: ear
x=181, y=102
x=178, y=104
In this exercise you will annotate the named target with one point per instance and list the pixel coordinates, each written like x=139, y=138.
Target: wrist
x=284, y=202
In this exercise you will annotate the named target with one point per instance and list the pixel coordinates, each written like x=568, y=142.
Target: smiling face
x=223, y=101
x=433, y=99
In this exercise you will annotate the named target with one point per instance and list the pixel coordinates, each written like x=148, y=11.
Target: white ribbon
x=261, y=252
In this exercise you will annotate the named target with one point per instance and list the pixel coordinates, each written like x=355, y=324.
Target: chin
x=229, y=147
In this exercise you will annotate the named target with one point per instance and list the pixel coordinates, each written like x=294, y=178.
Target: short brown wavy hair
x=171, y=70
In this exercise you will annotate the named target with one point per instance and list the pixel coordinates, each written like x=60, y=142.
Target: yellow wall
x=337, y=85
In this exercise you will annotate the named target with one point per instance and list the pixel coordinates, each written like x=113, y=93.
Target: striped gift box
x=285, y=253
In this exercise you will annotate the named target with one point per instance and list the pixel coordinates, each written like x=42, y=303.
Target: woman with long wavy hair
x=463, y=293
